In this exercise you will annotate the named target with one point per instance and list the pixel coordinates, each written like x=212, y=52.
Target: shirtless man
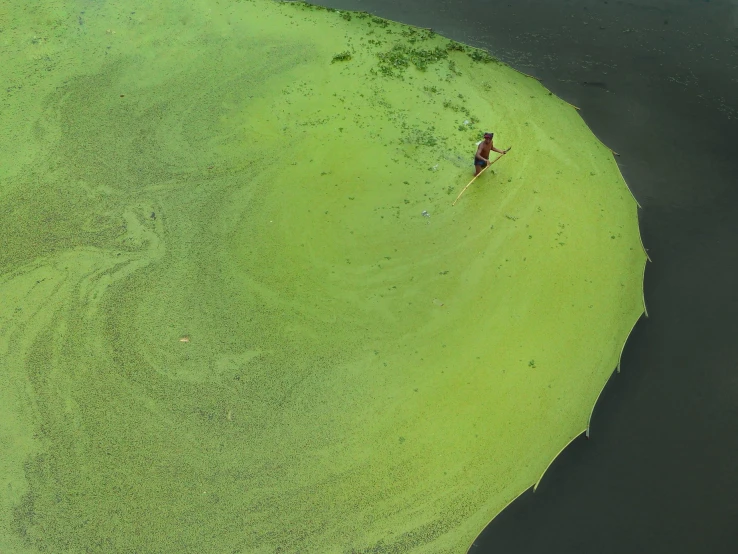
x=481, y=158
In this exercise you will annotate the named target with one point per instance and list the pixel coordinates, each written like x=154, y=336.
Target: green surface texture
x=225, y=323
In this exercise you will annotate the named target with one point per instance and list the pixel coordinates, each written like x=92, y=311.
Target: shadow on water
x=657, y=81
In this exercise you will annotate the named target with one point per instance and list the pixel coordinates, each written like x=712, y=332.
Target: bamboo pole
x=477, y=175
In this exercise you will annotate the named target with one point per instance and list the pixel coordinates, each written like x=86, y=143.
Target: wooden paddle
x=478, y=174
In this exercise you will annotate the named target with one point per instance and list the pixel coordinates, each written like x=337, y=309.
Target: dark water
x=658, y=82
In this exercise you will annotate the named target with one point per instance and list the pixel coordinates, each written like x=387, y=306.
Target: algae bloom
x=238, y=311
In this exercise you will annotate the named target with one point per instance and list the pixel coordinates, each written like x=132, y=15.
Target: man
x=481, y=159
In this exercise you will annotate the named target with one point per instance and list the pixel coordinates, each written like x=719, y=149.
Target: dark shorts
x=479, y=162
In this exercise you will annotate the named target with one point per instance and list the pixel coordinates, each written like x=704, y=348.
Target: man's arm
x=495, y=149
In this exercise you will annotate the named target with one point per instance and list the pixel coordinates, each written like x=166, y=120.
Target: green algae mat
x=238, y=311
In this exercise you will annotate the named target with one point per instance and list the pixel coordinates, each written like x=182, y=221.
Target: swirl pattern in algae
x=226, y=324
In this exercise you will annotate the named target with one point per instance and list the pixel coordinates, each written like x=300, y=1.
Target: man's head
x=488, y=137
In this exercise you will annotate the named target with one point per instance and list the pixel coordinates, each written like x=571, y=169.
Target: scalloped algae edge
x=586, y=429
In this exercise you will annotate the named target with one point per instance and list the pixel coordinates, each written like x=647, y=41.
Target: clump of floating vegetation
x=413, y=34
x=454, y=46
x=479, y=55
x=418, y=138
x=379, y=21
x=449, y=105
x=452, y=68
x=342, y=57
x=399, y=57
